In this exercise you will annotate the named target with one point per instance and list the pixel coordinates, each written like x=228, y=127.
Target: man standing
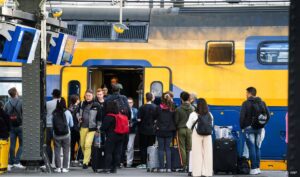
x=253, y=117
x=182, y=114
x=123, y=105
x=14, y=109
x=51, y=105
x=89, y=118
x=132, y=134
x=147, y=115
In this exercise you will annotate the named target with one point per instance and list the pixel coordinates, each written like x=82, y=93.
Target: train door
x=74, y=81
x=157, y=80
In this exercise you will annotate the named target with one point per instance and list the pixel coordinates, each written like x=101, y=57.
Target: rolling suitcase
x=225, y=156
x=152, y=158
x=3, y=155
x=97, y=155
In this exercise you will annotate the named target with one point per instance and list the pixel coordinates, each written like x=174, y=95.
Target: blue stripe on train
x=274, y=146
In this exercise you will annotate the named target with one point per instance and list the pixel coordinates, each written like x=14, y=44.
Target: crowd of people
x=72, y=128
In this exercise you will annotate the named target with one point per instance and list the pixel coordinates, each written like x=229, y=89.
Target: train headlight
x=120, y=28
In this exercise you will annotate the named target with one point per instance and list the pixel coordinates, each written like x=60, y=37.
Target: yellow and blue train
x=215, y=53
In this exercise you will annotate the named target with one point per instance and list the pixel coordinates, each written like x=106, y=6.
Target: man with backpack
x=14, y=110
x=253, y=117
x=124, y=109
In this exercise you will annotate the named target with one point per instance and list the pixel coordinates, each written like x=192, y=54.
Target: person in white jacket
x=202, y=153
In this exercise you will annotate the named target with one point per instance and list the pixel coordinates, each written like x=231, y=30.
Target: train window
x=219, y=53
x=274, y=53
x=157, y=88
x=74, y=88
x=5, y=85
x=25, y=46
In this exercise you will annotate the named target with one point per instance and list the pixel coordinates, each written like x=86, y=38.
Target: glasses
x=129, y=102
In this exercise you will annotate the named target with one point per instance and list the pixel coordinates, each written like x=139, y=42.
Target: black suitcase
x=175, y=158
x=225, y=156
x=98, y=158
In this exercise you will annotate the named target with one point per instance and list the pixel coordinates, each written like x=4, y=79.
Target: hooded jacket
x=182, y=114
x=165, y=122
x=246, y=114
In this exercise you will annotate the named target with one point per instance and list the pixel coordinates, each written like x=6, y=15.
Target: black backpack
x=204, y=125
x=122, y=105
x=60, y=124
x=259, y=115
x=14, y=116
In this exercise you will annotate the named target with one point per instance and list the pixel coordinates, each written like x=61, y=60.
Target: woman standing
x=75, y=135
x=202, y=154
x=165, y=126
x=62, y=123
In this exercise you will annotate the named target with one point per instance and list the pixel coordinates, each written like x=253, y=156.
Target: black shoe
x=85, y=166
x=113, y=171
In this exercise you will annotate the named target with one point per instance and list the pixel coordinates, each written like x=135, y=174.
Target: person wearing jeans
x=253, y=140
x=253, y=136
x=13, y=109
x=132, y=134
x=15, y=132
x=165, y=127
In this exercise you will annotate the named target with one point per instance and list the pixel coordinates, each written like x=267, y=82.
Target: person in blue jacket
x=132, y=134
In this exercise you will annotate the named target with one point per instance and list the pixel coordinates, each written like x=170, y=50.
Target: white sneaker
x=64, y=170
x=57, y=170
x=9, y=167
x=253, y=172
x=20, y=166
x=258, y=171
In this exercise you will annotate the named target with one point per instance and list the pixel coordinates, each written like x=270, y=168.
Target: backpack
x=15, y=116
x=60, y=124
x=204, y=125
x=122, y=105
x=259, y=115
x=122, y=123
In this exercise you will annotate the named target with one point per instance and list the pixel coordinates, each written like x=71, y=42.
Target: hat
x=116, y=87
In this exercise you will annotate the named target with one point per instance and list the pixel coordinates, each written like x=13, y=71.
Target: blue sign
x=18, y=43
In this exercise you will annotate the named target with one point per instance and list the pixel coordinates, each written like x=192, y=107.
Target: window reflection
x=273, y=52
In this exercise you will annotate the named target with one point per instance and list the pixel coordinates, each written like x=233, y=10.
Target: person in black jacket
x=253, y=136
x=4, y=123
x=75, y=134
x=165, y=127
x=113, y=142
x=147, y=115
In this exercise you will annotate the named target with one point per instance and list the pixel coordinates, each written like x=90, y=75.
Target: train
x=212, y=52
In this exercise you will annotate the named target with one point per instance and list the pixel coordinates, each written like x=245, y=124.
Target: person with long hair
x=165, y=126
x=202, y=154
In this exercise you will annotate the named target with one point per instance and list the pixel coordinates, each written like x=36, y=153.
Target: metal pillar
x=33, y=83
x=294, y=90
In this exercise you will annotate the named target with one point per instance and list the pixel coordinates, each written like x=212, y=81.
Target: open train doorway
x=131, y=80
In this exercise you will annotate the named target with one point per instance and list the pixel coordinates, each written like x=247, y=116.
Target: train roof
x=204, y=16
